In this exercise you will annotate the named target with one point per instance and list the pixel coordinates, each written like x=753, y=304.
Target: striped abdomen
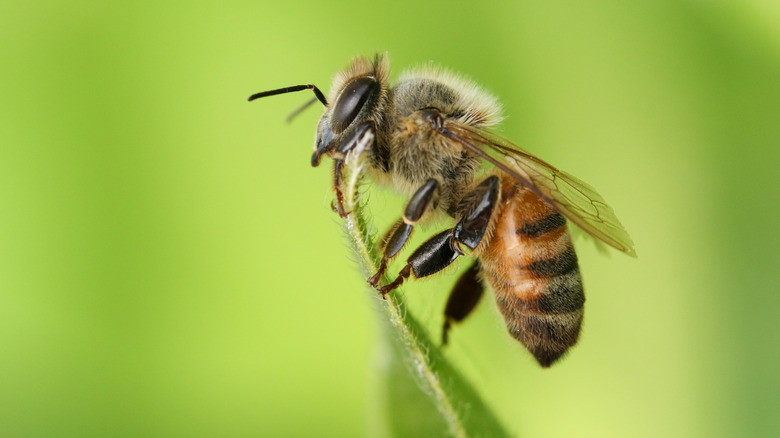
x=530, y=264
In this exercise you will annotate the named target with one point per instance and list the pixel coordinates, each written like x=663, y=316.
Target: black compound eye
x=351, y=101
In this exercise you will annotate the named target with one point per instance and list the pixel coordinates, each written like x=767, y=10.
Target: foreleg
x=358, y=134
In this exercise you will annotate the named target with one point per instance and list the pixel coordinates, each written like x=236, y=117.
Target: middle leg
x=398, y=236
x=442, y=249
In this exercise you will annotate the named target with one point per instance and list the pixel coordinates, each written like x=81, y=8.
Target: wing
x=575, y=199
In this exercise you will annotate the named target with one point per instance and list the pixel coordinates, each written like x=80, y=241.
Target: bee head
x=359, y=93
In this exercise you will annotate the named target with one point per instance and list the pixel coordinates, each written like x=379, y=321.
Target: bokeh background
x=170, y=266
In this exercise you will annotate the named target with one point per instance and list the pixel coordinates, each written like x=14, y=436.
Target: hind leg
x=463, y=299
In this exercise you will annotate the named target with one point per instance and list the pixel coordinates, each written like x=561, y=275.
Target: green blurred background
x=170, y=266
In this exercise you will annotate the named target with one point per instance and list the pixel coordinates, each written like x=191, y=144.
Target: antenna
x=316, y=90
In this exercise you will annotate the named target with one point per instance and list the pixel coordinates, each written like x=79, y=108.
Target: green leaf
x=416, y=392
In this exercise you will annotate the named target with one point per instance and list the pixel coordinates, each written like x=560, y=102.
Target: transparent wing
x=575, y=199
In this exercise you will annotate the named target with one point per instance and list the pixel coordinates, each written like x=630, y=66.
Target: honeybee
x=428, y=137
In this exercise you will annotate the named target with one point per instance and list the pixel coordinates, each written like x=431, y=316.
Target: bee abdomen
x=548, y=323
x=532, y=268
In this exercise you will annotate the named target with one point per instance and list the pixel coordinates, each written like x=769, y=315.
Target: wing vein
x=575, y=199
